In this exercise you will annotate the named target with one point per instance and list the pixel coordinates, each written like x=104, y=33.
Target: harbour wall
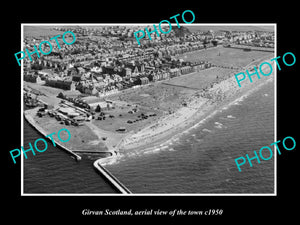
x=111, y=178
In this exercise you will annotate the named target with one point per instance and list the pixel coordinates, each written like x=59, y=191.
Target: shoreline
x=227, y=92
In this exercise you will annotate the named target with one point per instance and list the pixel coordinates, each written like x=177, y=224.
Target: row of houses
x=62, y=84
x=142, y=79
x=33, y=78
x=95, y=84
x=195, y=67
x=180, y=49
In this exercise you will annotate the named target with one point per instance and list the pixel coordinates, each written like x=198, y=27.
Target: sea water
x=55, y=171
x=201, y=160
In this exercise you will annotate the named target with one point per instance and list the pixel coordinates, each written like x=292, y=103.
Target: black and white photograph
x=145, y=112
x=160, y=114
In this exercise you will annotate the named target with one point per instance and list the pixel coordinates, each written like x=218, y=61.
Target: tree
x=61, y=95
x=214, y=42
x=98, y=108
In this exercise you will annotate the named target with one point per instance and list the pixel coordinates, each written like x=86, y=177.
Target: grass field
x=82, y=138
x=122, y=115
x=195, y=28
x=156, y=96
x=160, y=98
x=201, y=79
x=40, y=31
x=224, y=56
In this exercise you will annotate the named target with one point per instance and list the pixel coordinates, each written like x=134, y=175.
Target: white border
x=145, y=24
x=22, y=112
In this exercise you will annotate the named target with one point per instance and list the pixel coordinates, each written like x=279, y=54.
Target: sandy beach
x=198, y=108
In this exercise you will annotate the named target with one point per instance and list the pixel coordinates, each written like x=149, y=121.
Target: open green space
x=202, y=79
x=222, y=56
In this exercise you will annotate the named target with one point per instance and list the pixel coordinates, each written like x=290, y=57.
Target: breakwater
x=111, y=178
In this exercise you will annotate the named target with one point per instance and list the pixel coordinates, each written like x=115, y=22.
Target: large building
x=62, y=84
